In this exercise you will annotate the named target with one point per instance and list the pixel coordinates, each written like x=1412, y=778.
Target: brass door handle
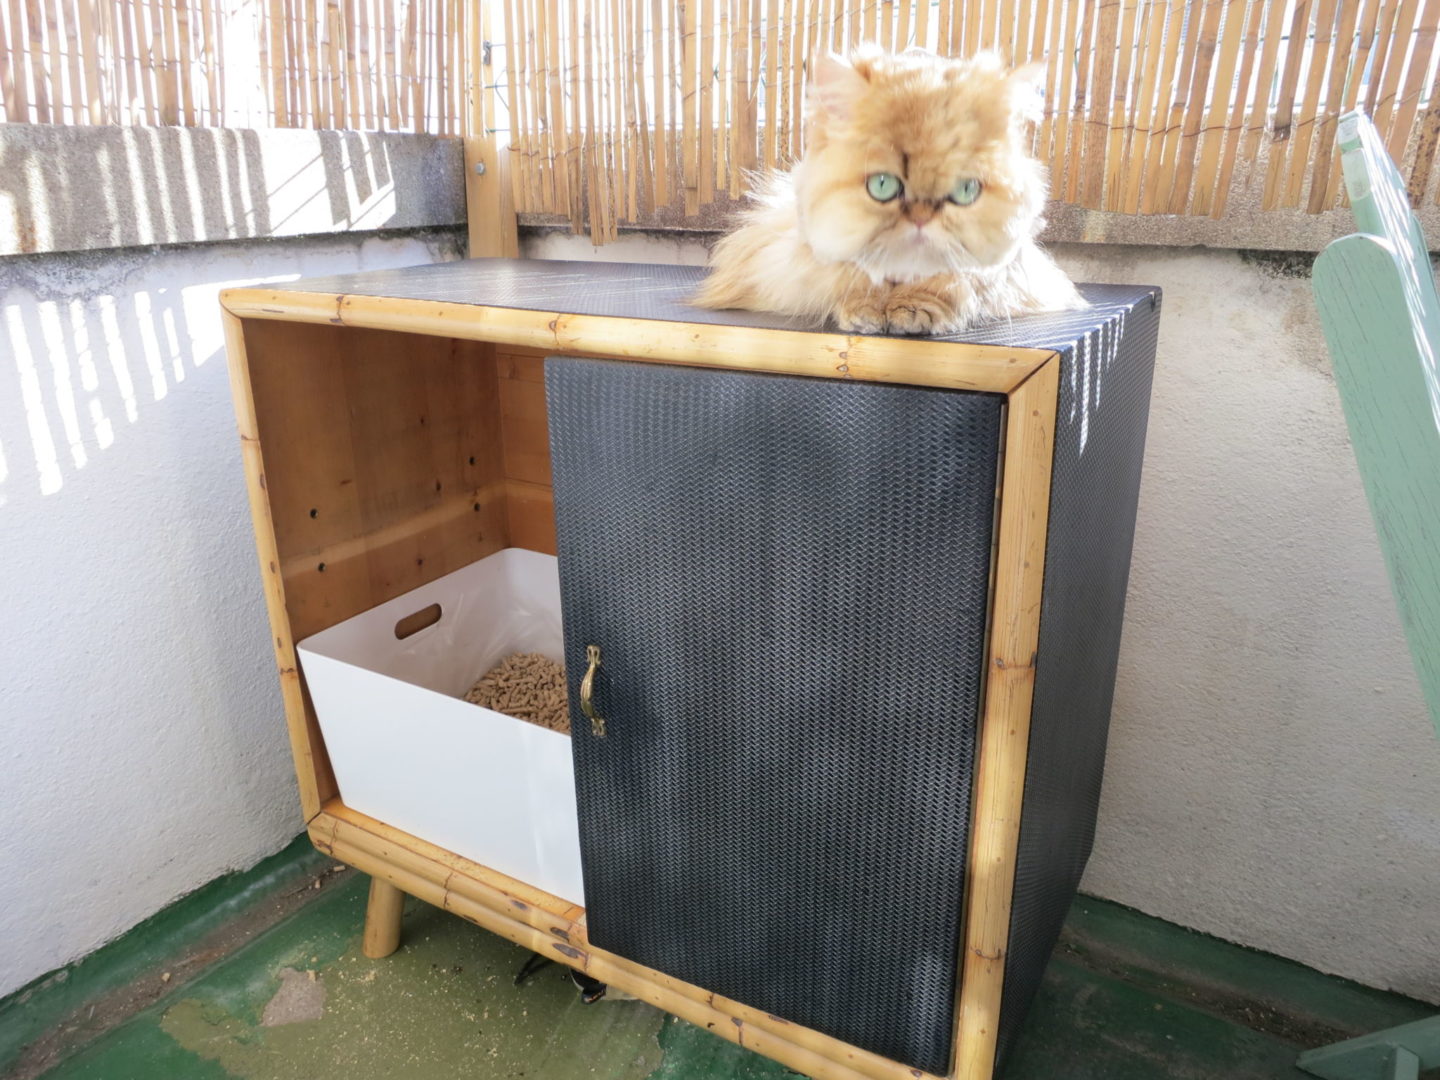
x=587, y=690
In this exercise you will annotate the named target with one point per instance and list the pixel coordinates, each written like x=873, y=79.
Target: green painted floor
x=1125, y=997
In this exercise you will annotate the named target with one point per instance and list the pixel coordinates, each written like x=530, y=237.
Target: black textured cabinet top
x=643, y=291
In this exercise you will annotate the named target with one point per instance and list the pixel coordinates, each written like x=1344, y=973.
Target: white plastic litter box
x=408, y=750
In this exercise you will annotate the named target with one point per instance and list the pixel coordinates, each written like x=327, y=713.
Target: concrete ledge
x=83, y=188
x=1245, y=226
x=1245, y=229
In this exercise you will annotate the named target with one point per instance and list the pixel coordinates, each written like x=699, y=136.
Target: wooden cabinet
x=855, y=602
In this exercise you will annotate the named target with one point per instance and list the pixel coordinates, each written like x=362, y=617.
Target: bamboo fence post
x=12, y=79
x=311, y=53
x=515, y=122
x=580, y=139
x=690, y=146
x=185, y=62
x=1164, y=176
x=364, y=90
x=1064, y=102
x=1119, y=121
x=1167, y=55
x=1087, y=59
x=1280, y=130
x=1100, y=101
x=1324, y=154
x=1384, y=29
x=1214, y=125
x=1047, y=146
x=990, y=28
x=602, y=137
x=621, y=171
x=772, y=47
x=1204, y=58
x=661, y=165
x=334, y=80
x=85, y=63
x=1426, y=146
x=639, y=123
x=739, y=92
x=723, y=59
x=1142, y=126
x=1236, y=129
x=1409, y=102
x=1319, y=54
x=488, y=201
x=705, y=178
x=1265, y=75
x=558, y=133
x=540, y=89
x=56, y=65
x=1358, y=65
x=41, y=77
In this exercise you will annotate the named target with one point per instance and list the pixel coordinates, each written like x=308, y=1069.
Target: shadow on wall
x=71, y=189
x=87, y=360
x=98, y=323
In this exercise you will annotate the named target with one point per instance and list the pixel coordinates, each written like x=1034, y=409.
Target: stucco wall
x=142, y=746
x=141, y=736
x=1272, y=772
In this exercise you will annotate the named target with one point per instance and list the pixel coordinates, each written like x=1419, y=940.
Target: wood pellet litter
x=527, y=686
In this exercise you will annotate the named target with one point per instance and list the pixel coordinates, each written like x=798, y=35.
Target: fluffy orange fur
x=817, y=244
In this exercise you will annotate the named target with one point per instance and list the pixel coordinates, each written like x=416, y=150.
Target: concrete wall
x=76, y=188
x=142, y=750
x=1272, y=773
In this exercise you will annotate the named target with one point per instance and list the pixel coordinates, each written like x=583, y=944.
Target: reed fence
x=1152, y=106
x=615, y=111
x=377, y=65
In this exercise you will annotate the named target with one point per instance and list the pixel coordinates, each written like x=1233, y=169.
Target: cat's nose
x=921, y=212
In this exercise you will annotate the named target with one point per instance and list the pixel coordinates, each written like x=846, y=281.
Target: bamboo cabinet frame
x=257, y=321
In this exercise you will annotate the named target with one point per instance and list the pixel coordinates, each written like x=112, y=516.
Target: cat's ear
x=1026, y=86
x=836, y=87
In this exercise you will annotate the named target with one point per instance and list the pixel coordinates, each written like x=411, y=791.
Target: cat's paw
x=865, y=316
x=920, y=313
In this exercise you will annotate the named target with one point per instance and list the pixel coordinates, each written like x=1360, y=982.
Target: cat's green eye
x=883, y=186
x=965, y=192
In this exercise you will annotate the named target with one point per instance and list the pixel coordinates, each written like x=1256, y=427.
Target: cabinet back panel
x=382, y=459
x=525, y=435
x=1100, y=426
x=787, y=579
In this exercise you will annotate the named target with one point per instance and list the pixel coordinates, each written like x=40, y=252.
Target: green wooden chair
x=1381, y=314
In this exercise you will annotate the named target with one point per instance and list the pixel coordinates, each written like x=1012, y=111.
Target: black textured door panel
x=787, y=579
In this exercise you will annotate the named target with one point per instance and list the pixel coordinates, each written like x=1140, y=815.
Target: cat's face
x=917, y=165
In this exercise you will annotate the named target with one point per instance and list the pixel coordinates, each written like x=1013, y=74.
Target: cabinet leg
x=382, y=919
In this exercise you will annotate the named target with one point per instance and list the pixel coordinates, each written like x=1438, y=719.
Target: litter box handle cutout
x=413, y=624
x=587, y=691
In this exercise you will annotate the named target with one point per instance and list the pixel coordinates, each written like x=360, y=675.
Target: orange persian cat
x=914, y=209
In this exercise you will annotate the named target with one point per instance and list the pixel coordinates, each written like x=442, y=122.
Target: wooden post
x=489, y=202
x=1003, y=751
x=382, y=919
